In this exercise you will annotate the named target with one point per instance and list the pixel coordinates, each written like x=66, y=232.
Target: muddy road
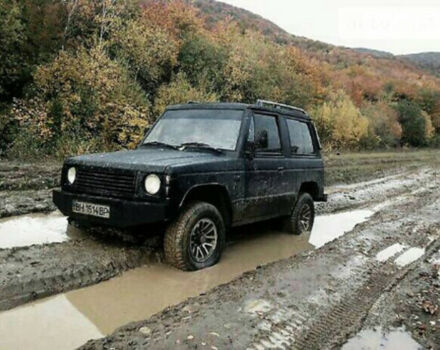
x=293, y=302
x=320, y=298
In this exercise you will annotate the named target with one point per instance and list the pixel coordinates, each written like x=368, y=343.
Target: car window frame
x=274, y=154
x=289, y=146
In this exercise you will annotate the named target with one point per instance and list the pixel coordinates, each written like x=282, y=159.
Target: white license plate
x=100, y=211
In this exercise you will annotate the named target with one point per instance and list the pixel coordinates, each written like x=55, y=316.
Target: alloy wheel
x=203, y=240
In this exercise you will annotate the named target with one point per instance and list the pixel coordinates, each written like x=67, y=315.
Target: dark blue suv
x=201, y=169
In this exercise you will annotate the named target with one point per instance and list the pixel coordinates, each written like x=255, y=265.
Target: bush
x=384, y=124
x=201, y=58
x=87, y=94
x=180, y=91
x=340, y=123
x=27, y=145
x=149, y=53
x=415, y=124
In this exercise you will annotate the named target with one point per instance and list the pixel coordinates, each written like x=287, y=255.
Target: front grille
x=108, y=182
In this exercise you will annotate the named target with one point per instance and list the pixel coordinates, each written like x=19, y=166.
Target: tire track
x=39, y=271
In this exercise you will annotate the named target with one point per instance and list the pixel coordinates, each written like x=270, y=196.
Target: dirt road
x=315, y=298
x=319, y=298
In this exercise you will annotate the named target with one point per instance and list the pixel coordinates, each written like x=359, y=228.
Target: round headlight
x=152, y=184
x=71, y=175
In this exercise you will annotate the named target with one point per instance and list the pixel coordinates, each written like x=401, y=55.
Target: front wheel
x=195, y=240
x=303, y=216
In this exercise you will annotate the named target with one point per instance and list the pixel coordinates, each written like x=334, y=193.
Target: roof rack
x=262, y=103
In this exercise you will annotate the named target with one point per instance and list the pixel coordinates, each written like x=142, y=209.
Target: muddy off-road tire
x=303, y=216
x=196, y=239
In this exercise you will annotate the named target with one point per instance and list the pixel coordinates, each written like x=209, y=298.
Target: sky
x=396, y=26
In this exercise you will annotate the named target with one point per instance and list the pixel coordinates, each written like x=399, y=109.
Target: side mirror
x=147, y=130
x=262, y=140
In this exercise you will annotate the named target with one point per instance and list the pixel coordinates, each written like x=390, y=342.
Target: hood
x=149, y=159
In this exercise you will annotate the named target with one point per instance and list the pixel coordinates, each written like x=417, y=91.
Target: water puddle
x=389, y=252
x=397, y=339
x=136, y=295
x=32, y=229
x=45, y=325
x=409, y=256
x=142, y=292
x=329, y=227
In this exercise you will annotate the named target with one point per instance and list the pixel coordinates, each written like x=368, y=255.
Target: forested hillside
x=86, y=75
x=426, y=60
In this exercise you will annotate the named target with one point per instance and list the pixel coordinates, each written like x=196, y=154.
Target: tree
x=413, y=123
x=384, y=122
x=201, y=57
x=340, y=123
x=429, y=100
x=85, y=94
x=14, y=71
x=149, y=53
x=180, y=90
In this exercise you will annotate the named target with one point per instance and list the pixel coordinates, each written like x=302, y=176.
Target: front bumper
x=123, y=213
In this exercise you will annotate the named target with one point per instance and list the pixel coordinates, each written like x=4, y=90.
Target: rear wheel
x=195, y=240
x=303, y=216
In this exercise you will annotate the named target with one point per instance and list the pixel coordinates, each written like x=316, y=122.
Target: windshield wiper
x=200, y=145
x=161, y=144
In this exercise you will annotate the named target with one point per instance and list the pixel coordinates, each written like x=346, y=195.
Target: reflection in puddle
x=32, y=229
x=397, y=339
x=409, y=256
x=142, y=292
x=329, y=227
x=389, y=252
x=45, y=325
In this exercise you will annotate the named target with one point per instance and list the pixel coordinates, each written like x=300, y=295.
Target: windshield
x=213, y=127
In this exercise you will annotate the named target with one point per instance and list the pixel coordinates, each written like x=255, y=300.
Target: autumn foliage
x=86, y=75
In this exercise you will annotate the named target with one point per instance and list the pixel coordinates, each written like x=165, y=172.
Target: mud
x=27, y=187
x=316, y=299
x=25, y=202
x=16, y=176
x=29, y=273
x=262, y=246
x=413, y=304
x=379, y=191
x=32, y=272
x=142, y=292
x=350, y=273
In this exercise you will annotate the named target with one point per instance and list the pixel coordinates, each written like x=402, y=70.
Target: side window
x=267, y=135
x=300, y=138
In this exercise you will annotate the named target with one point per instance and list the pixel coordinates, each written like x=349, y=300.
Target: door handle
x=281, y=168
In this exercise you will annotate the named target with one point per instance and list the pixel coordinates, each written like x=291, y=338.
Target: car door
x=304, y=164
x=264, y=190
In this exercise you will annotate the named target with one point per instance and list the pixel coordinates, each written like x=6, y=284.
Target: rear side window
x=300, y=137
x=267, y=126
